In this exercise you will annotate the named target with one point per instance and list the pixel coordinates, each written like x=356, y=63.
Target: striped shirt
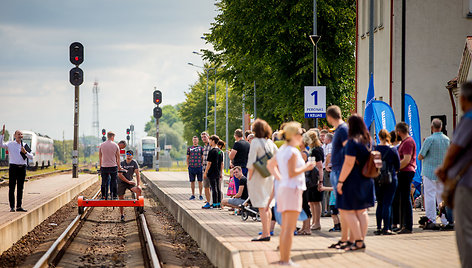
x=433, y=150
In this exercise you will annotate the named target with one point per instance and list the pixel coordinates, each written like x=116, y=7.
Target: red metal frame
x=110, y=203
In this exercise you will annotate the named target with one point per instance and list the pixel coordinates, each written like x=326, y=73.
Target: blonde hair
x=313, y=137
x=289, y=130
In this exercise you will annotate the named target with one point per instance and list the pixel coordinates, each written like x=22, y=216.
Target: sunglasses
x=129, y=154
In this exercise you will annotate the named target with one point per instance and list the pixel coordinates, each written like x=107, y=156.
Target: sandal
x=302, y=232
x=354, y=246
x=344, y=245
x=336, y=244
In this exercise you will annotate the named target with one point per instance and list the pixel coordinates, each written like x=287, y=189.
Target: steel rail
x=51, y=253
x=152, y=254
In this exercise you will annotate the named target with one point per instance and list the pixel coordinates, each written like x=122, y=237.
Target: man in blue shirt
x=457, y=165
x=334, y=117
x=432, y=153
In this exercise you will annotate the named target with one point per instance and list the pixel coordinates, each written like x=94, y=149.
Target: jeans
x=404, y=193
x=109, y=179
x=215, y=190
x=384, y=195
x=16, y=175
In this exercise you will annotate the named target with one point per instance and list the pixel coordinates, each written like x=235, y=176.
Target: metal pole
x=75, y=152
x=157, y=144
x=206, y=103
x=227, y=140
x=215, y=103
x=244, y=100
x=403, y=59
x=315, y=51
x=255, y=102
x=371, y=38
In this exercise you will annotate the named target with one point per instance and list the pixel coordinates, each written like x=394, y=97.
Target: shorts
x=236, y=201
x=334, y=210
x=122, y=188
x=195, y=172
x=289, y=199
x=314, y=195
x=206, y=182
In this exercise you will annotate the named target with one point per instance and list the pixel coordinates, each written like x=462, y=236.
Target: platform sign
x=315, y=102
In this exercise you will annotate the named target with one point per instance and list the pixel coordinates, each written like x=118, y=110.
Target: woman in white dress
x=289, y=169
x=259, y=187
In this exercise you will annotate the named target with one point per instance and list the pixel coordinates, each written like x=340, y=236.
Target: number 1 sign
x=315, y=102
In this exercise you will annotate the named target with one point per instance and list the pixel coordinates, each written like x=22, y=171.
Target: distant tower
x=95, y=122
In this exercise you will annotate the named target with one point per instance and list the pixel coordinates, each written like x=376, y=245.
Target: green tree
x=192, y=109
x=266, y=41
x=171, y=131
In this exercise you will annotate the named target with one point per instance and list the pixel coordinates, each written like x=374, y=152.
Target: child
x=332, y=207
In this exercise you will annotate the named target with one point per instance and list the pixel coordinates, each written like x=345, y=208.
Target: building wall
x=435, y=34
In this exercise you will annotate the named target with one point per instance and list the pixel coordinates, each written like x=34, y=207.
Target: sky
x=130, y=48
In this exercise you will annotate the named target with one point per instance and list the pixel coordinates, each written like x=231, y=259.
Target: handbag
x=231, y=187
x=261, y=163
x=312, y=177
x=373, y=164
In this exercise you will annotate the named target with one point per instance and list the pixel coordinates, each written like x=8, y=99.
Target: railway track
x=97, y=238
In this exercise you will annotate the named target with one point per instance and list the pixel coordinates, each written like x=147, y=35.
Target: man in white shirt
x=327, y=168
x=17, y=169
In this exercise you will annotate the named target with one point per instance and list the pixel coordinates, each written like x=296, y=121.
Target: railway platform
x=41, y=198
x=225, y=238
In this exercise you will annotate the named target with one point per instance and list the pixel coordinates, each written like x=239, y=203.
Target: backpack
x=311, y=176
x=385, y=176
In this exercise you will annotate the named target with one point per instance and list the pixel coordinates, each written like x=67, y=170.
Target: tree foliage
x=266, y=41
x=171, y=129
x=193, y=109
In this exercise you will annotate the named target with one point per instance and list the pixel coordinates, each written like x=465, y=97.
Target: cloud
x=130, y=47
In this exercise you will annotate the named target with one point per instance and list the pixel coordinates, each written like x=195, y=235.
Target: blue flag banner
x=369, y=113
x=412, y=118
x=383, y=116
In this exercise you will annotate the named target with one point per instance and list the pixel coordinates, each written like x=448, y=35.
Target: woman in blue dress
x=355, y=192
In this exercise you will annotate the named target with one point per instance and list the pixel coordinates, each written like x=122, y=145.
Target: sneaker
x=388, y=232
x=20, y=209
x=404, y=231
x=334, y=229
x=378, y=232
x=122, y=217
x=201, y=198
x=12, y=210
x=429, y=226
x=207, y=206
x=397, y=229
x=192, y=197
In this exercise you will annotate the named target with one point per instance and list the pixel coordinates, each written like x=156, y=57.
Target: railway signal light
x=104, y=132
x=127, y=137
x=76, y=53
x=157, y=97
x=104, y=138
x=76, y=76
x=127, y=131
x=157, y=112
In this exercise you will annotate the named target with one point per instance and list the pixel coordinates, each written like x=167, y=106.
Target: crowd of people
x=295, y=174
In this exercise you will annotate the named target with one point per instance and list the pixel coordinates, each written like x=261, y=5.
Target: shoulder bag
x=385, y=176
x=261, y=162
x=373, y=164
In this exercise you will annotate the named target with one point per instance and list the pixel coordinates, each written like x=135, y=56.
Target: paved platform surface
x=420, y=249
x=41, y=197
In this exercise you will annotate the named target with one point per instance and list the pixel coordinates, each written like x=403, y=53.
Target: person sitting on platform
x=242, y=193
x=126, y=179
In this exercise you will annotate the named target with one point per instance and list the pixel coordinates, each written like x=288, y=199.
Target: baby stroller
x=246, y=210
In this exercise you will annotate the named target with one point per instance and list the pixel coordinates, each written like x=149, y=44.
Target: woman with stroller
x=259, y=187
